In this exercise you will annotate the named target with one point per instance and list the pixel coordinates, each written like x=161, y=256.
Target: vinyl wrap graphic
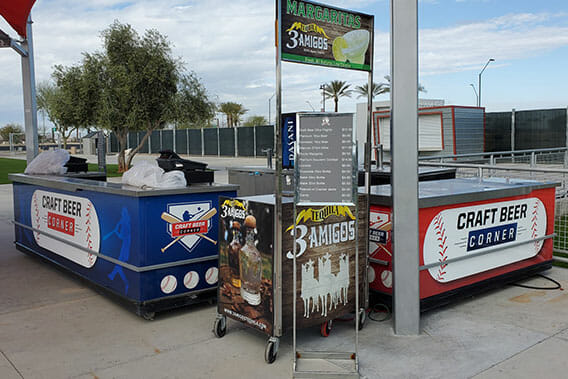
x=71, y=218
x=458, y=232
x=126, y=229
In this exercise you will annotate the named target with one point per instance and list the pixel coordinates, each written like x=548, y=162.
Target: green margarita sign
x=314, y=33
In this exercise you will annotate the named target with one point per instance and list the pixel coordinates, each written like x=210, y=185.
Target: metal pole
x=479, y=84
x=404, y=150
x=30, y=105
x=236, y=140
x=367, y=165
x=269, y=107
x=174, y=140
x=187, y=140
x=513, y=133
x=203, y=142
x=476, y=95
x=278, y=188
x=254, y=139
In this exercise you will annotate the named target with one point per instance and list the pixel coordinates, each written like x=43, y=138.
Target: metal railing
x=546, y=165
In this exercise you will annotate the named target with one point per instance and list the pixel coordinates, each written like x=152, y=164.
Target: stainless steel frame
x=351, y=357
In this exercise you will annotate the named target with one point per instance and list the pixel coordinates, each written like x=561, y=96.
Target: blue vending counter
x=154, y=248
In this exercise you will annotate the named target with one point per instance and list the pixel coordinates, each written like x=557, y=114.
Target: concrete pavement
x=53, y=325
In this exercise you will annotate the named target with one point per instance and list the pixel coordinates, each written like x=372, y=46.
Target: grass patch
x=16, y=166
x=112, y=169
x=10, y=166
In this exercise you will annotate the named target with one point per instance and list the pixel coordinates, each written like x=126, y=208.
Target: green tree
x=233, y=111
x=8, y=129
x=192, y=107
x=336, y=89
x=56, y=103
x=255, y=121
x=138, y=80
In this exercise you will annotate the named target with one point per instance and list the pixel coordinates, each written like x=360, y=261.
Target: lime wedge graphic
x=338, y=45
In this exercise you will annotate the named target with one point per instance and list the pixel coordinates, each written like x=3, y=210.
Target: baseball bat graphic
x=172, y=219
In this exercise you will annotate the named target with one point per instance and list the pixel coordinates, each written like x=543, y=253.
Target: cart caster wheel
x=271, y=350
x=362, y=318
x=220, y=326
x=148, y=315
x=325, y=329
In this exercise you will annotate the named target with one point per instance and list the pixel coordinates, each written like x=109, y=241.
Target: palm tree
x=233, y=111
x=336, y=89
x=378, y=89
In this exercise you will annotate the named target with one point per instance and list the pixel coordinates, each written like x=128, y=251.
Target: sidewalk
x=53, y=325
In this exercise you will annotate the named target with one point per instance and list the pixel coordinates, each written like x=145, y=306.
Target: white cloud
x=230, y=45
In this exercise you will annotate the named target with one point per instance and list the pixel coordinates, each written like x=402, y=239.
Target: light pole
x=479, y=83
x=476, y=95
x=322, y=87
x=270, y=98
x=310, y=104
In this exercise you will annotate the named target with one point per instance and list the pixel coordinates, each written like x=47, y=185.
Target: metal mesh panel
x=264, y=139
x=195, y=141
x=540, y=129
x=227, y=141
x=114, y=146
x=167, y=140
x=145, y=147
x=132, y=140
x=155, y=142
x=245, y=141
x=210, y=141
x=498, y=131
x=181, y=141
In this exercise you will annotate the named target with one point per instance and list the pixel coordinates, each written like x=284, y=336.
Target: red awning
x=16, y=13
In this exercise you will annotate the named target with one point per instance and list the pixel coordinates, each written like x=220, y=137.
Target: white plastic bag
x=49, y=163
x=149, y=174
x=173, y=179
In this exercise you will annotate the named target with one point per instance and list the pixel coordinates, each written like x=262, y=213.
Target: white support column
x=404, y=142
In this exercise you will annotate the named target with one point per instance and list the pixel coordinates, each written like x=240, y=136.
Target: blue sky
x=234, y=53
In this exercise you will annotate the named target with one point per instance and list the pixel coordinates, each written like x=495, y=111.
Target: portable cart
x=331, y=255
x=473, y=234
x=154, y=249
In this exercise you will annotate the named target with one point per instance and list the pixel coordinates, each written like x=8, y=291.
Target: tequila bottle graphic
x=250, y=263
x=234, y=250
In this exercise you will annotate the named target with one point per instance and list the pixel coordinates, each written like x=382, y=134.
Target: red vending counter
x=473, y=234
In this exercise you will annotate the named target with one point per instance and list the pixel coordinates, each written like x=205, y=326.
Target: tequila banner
x=317, y=34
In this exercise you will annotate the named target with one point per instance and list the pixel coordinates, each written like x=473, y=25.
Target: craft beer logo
x=379, y=227
x=316, y=34
x=457, y=232
x=188, y=223
x=322, y=235
x=70, y=218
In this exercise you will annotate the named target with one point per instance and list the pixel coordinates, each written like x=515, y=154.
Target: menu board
x=325, y=158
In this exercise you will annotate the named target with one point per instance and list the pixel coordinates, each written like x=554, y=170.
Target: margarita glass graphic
x=351, y=47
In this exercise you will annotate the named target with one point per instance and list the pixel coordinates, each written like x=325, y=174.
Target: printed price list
x=325, y=164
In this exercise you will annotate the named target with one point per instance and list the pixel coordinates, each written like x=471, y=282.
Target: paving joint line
x=522, y=351
x=12, y=364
